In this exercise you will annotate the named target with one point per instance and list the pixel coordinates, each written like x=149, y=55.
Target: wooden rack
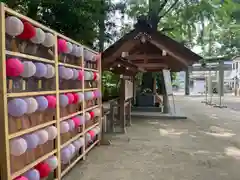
x=10, y=170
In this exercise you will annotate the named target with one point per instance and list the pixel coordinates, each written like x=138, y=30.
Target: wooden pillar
x=129, y=109
x=122, y=105
x=154, y=86
x=134, y=91
x=187, y=91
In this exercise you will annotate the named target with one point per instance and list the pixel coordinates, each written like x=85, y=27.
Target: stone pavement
x=203, y=147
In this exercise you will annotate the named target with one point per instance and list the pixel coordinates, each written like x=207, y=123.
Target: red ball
x=91, y=114
x=14, y=67
x=44, y=169
x=94, y=76
x=70, y=98
x=75, y=101
x=29, y=31
x=51, y=101
x=21, y=178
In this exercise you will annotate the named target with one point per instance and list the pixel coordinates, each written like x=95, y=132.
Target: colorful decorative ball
x=14, y=67
x=94, y=76
x=65, y=155
x=92, y=114
x=75, y=74
x=82, y=120
x=76, y=121
x=78, y=52
x=63, y=100
x=71, y=124
x=97, y=112
x=98, y=129
x=74, y=49
x=64, y=127
x=50, y=71
x=88, y=137
x=13, y=26
x=81, y=75
x=51, y=101
x=32, y=140
x=68, y=73
x=70, y=98
x=88, y=96
x=52, y=162
x=87, y=76
x=61, y=71
x=44, y=169
x=29, y=31
x=32, y=174
x=75, y=95
x=17, y=107
x=41, y=70
x=43, y=136
x=92, y=134
x=21, y=178
x=62, y=46
x=82, y=140
x=52, y=132
x=29, y=69
x=39, y=36
x=42, y=103
x=32, y=105
x=69, y=48
x=80, y=97
x=18, y=146
x=72, y=148
x=97, y=77
x=77, y=145
x=87, y=116
x=49, y=40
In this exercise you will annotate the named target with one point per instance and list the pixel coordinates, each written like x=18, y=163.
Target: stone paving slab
x=203, y=147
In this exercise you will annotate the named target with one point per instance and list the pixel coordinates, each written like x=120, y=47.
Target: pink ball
x=62, y=45
x=14, y=67
x=80, y=75
x=76, y=121
x=21, y=178
x=92, y=133
x=70, y=98
x=51, y=101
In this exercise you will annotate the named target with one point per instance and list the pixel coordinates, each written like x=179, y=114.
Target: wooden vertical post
x=58, y=139
x=99, y=68
x=5, y=154
x=122, y=105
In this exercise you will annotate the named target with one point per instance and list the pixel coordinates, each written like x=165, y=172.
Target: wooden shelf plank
x=70, y=65
x=70, y=90
x=91, y=108
x=91, y=127
x=71, y=115
x=72, y=139
x=92, y=146
x=35, y=128
x=88, y=69
x=90, y=89
x=23, y=94
x=29, y=57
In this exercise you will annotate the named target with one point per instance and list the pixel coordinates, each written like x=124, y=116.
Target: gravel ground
x=203, y=147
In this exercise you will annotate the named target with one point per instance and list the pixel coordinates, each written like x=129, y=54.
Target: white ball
x=49, y=40
x=39, y=37
x=52, y=132
x=87, y=116
x=69, y=48
x=50, y=71
x=43, y=136
x=29, y=69
x=67, y=73
x=74, y=49
x=18, y=146
x=82, y=140
x=72, y=148
x=14, y=26
x=78, y=52
x=64, y=127
x=32, y=105
x=75, y=74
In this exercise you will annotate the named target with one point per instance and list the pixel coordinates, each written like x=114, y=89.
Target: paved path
x=203, y=147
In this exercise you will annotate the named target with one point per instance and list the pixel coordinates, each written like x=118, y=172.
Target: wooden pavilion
x=146, y=50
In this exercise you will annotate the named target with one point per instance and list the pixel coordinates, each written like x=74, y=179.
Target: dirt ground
x=203, y=147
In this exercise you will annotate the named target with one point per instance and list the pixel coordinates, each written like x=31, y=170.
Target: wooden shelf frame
x=4, y=96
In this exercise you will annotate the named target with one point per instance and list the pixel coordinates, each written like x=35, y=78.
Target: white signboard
x=128, y=89
x=167, y=81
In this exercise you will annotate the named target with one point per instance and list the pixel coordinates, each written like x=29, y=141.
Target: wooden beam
x=151, y=65
x=168, y=50
x=145, y=56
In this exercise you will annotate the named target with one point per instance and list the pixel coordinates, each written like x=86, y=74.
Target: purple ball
x=41, y=70
x=32, y=174
x=63, y=100
x=42, y=103
x=32, y=140
x=61, y=70
x=17, y=107
x=65, y=155
x=71, y=124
